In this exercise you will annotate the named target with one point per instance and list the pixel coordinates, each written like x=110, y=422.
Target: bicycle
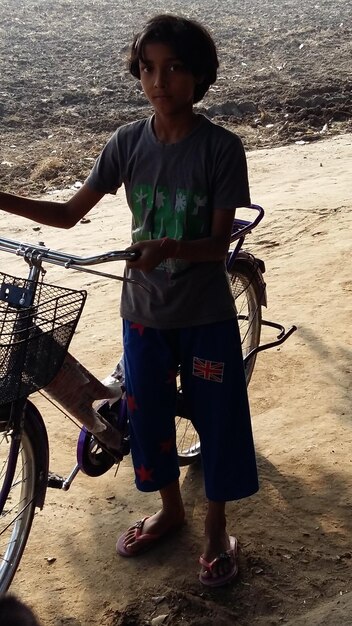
x=37, y=322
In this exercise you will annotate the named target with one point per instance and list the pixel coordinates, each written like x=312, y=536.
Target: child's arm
x=59, y=214
x=213, y=248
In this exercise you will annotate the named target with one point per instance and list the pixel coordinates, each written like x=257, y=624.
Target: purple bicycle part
x=10, y=471
x=92, y=458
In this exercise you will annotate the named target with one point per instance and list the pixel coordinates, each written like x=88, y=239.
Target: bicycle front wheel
x=247, y=289
x=17, y=499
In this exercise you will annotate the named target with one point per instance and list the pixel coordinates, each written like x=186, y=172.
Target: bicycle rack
x=281, y=338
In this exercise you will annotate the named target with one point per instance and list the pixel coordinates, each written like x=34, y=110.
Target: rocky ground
x=285, y=76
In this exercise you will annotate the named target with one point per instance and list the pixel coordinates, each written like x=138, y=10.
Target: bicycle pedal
x=55, y=481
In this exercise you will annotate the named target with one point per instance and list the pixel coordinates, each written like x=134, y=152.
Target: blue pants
x=215, y=392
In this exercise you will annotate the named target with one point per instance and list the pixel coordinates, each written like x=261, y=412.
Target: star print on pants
x=168, y=445
x=131, y=403
x=138, y=327
x=144, y=474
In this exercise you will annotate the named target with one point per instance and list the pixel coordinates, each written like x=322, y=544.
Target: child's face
x=167, y=84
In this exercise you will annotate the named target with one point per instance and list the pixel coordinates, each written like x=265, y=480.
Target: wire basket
x=37, y=323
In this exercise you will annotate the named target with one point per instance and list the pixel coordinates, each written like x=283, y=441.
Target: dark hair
x=13, y=612
x=191, y=43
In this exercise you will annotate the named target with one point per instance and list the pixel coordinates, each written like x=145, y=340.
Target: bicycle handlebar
x=41, y=253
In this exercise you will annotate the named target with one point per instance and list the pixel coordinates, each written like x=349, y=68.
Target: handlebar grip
x=133, y=255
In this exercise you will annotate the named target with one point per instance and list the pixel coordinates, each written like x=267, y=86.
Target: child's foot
x=148, y=531
x=219, y=561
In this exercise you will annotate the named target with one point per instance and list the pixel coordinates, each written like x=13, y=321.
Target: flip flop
x=230, y=556
x=145, y=540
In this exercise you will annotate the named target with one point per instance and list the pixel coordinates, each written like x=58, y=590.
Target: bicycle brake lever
x=113, y=276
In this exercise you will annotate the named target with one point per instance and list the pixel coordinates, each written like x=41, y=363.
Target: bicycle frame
x=36, y=255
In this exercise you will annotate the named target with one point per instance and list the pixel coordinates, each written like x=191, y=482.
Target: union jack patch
x=208, y=370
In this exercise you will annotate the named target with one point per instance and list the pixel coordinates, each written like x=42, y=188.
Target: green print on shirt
x=155, y=216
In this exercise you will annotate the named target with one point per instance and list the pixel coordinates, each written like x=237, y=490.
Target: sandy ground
x=295, y=534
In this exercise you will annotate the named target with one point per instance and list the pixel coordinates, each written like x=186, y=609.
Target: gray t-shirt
x=172, y=190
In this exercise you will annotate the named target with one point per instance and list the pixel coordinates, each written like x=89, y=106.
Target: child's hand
x=151, y=253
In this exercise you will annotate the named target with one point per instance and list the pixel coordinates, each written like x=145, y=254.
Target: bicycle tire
x=247, y=288
x=187, y=438
x=17, y=514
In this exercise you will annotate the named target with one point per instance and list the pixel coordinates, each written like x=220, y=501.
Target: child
x=184, y=176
